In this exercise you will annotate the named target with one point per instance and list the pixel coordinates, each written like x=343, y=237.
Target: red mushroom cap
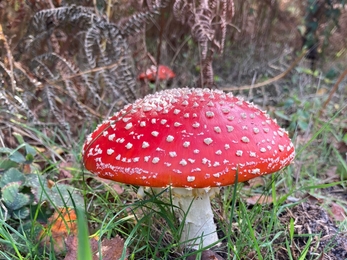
x=187, y=138
x=164, y=73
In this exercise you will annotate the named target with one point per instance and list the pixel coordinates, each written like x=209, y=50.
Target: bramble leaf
x=12, y=198
x=60, y=195
x=11, y=175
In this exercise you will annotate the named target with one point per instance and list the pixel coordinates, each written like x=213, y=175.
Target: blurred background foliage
x=65, y=66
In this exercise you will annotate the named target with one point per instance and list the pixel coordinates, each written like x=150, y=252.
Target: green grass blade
x=84, y=251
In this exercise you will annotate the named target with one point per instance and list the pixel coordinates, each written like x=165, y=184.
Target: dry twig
x=333, y=90
x=269, y=81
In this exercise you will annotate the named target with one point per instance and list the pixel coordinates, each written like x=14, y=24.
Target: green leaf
x=62, y=195
x=12, y=175
x=12, y=198
x=331, y=74
x=5, y=150
x=282, y=115
x=7, y=164
x=289, y=103
x=303, y=125
x=30, y=150
x=29, y=158
x=21, y=213
x=17, y=157
x=58, y=195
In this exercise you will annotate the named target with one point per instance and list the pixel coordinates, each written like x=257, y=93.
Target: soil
x=313, y=225
x=313, y=222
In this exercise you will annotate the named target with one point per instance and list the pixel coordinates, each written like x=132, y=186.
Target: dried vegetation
x=63, y=65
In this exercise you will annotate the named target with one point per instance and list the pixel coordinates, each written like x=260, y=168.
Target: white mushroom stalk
x=195, y=210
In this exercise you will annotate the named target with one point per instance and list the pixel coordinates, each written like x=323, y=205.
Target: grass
x=295, y=225
x=149, y=226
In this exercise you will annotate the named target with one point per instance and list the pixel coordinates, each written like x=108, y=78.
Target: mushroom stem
x=199, y=228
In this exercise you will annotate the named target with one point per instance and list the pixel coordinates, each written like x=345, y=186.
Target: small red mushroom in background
x=164, y=73
x=193, y=141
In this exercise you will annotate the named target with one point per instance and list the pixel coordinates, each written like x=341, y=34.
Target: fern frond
x=180, y=10
x=207, y=70
x=134, y=24
x=41, y=70
x=6, y=104
x=208, y=21
x=52, y=66
x=202, y=29
x=91, y=40
x=91, y=83
x=64, y=66
x=99, y=74
x=58, y=115
x=16, y=105
x=69, y=86
x=68, y=15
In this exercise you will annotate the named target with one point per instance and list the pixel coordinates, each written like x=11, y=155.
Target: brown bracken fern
x=208, y=21
x=75, y=65
x=71, y=64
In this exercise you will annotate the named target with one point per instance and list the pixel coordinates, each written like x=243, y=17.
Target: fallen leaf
x=71, y=248
x=256, y=182
x=40, y=149
x=117, y=188
x=9, y=139
x=338, y=212
x=26, y=168
x=342, y=147
x=331, y=173
x=321, y=91
x=313, y=199
x=252, y=255
x=259, y=199
x=111, y=249
x=50, y=183
x=114, y=185
x=58, y=150
x=64, y=175
x=61, y=224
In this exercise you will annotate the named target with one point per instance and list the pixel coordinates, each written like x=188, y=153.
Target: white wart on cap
x=191, y=138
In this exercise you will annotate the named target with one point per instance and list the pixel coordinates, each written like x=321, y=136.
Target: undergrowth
x=74, y=65
x=149, y=226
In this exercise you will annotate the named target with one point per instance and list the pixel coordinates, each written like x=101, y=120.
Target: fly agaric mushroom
x=192, y=140
x=164, y=73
